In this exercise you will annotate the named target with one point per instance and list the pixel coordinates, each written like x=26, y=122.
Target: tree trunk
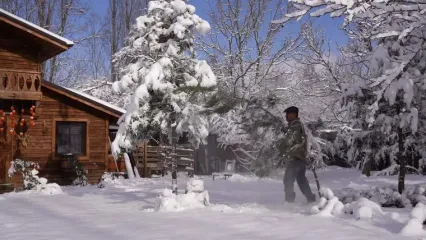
x=366, y=167
x=402, y=161
x=114, y=41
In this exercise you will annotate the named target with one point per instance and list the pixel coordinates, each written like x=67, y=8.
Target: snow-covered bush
x=31, y=180
x=169, y=84
x=385, y=196
x=414, y=226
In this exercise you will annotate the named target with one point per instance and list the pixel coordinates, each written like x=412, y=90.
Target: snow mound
x=414, y=226
x=195, y=185
x=47, y=189
x=170, y=202
x=363, y=209
x=328, y=205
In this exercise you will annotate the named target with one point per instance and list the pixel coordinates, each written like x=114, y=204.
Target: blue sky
x=329, y=25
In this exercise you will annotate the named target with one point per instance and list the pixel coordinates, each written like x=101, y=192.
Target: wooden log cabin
x=63, y=121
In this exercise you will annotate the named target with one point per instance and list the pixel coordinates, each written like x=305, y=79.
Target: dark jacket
x=294, y=145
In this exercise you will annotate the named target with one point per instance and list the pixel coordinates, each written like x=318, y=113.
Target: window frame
x=78, y=120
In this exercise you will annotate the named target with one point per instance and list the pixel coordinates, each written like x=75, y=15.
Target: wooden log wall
x=41, y=144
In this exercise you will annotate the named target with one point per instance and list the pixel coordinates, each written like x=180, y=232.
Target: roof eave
x=33, y=27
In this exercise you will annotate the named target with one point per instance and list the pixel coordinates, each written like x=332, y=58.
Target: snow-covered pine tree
x=397, y=65
x=170, y=85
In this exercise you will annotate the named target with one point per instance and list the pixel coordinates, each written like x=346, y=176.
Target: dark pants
x=295, y=171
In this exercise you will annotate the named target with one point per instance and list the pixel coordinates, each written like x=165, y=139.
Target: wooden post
x=145, y=159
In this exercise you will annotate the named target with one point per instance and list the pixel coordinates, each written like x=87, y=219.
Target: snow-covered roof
x=97, y=100
x=36, y=27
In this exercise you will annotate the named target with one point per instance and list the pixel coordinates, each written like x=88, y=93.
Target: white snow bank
x=414, y=226
x=329, y=206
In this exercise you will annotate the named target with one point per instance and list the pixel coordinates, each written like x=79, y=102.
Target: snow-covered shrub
x=385, y=196
x=414, y=226
x=31, y=180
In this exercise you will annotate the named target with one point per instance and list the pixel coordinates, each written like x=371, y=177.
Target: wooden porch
x=20, y=85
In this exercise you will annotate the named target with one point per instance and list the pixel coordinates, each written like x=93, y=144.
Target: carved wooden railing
x=20, y=85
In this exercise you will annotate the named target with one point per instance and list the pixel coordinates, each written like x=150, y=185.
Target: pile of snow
x=329, y=205
x=44, y=187
x=195, y=197
x=195, y=185
x=170, y=202
x=414, y=226
x=110, y=178
x=363, y=209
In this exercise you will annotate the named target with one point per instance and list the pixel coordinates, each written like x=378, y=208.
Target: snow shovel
x=317, y=181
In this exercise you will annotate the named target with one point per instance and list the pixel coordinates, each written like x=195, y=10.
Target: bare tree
x=121, y=16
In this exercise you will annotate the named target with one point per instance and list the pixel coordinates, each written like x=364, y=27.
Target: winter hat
x=292, y=109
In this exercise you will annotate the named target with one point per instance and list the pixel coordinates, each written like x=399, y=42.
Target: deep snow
x=242, y=207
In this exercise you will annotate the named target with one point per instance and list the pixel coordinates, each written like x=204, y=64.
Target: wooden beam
x=21, y=95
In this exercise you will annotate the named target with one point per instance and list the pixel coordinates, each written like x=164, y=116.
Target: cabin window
x=71, y=138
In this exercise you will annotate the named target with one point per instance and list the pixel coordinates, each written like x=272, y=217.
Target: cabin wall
x=41, y=144
x=11, y=60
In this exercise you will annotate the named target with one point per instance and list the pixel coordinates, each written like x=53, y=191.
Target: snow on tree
x=396, y=67
x=169, y=84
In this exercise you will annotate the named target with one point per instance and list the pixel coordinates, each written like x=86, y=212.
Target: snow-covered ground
x=242, y=207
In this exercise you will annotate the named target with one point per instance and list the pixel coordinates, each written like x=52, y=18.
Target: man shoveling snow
x=294, y=149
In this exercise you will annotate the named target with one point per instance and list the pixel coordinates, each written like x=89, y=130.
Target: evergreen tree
x=169, y=84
